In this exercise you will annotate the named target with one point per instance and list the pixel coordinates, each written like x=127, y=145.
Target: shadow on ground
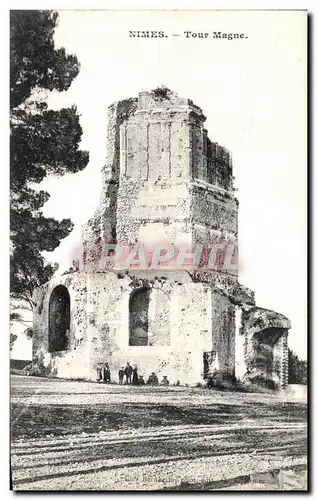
x=36, y=421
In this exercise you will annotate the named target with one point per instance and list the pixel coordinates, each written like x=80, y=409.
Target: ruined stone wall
x=240, y=365
x=102, y=226
x=160, y=317
x=160, y=163
x=223, y=333
x=195, y=329
x=150, y=212
x=219, y=166
x=166, y=161
x=118, y=113
x=185, y=320
x=154, y=165
x=164, y=181
x=179, y=325
x=215, y=210
x=155, y=138
x=284, y=360
x=266, y=345
x=156, y=181
x=280, y=363
x=209, y=162
x=74, y=362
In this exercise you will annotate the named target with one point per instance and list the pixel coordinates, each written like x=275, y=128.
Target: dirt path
x=72, y=436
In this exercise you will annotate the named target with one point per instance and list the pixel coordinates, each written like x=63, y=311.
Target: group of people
x=127, y=375
x=103, y=373
x=130, y=374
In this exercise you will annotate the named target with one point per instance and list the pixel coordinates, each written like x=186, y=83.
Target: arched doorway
x=59, y=319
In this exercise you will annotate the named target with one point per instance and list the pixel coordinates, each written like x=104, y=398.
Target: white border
x=309, y=5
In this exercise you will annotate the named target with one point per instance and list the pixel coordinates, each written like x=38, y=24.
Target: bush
x=297, y=369
x=32, y=370
x=37, y=369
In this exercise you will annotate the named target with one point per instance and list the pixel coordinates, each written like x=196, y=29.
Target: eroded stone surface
x=164, y=181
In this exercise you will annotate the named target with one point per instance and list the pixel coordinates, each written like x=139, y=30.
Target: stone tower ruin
x=164, y=184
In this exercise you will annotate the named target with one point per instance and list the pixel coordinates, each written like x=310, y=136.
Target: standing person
x=106, y=374
x=135, y=377
x=121, y=375
x=128, y=373
x=99, y=373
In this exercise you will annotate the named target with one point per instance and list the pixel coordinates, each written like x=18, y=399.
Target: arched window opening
x=59, y=319
x=139, y=317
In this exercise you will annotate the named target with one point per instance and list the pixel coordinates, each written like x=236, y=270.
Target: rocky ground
x=68, y=435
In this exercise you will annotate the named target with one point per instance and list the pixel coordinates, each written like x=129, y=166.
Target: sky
x=253, y=93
